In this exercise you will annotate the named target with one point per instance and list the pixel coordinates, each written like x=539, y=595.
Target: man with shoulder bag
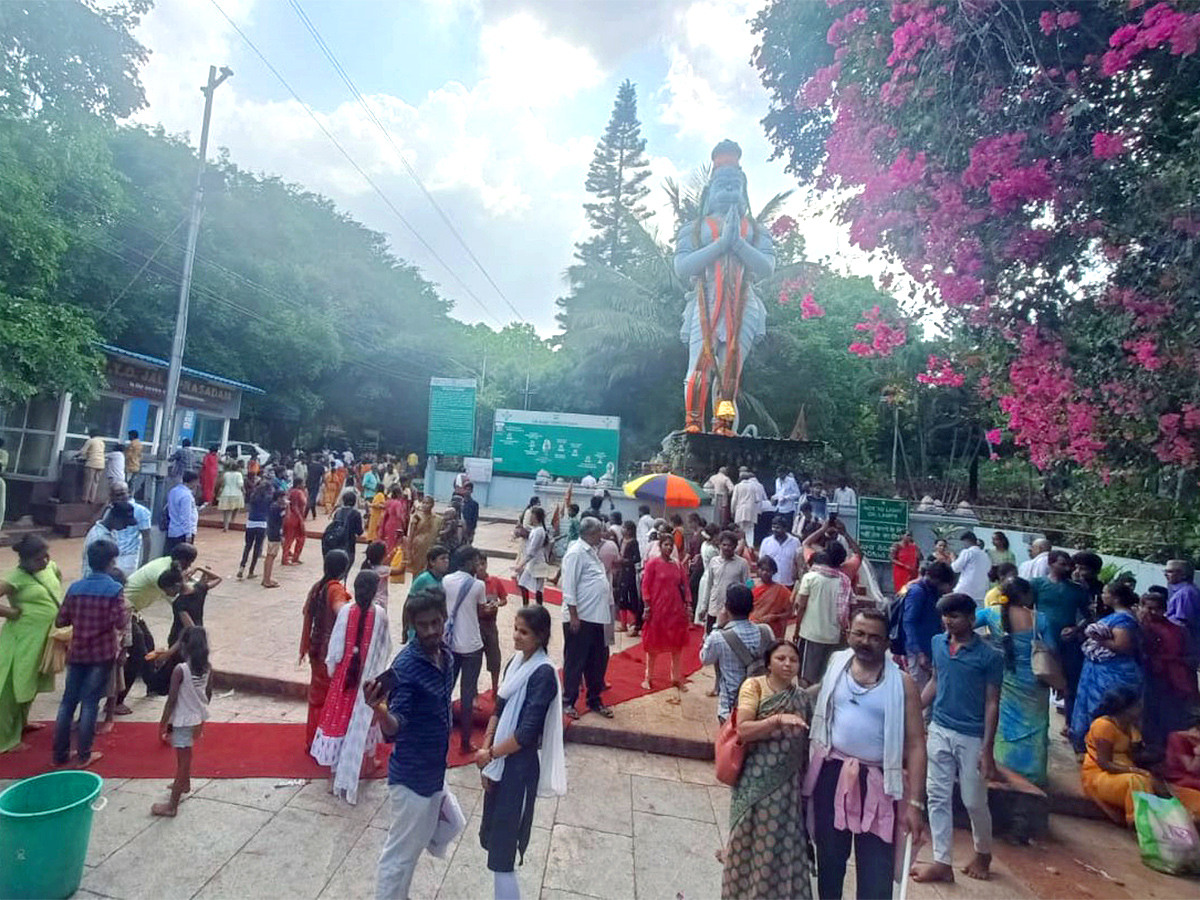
x=736, y=648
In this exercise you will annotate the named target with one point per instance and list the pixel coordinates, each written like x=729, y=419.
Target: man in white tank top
x=867, y=741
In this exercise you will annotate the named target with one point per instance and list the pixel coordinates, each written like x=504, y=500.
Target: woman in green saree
x=32, y=592
x=1022, y=742
x=767, y=854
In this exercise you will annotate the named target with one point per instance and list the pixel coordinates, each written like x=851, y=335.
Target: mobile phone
x=387, y=680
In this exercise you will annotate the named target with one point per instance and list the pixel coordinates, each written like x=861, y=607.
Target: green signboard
x=880, y=524
x=451, y=417
x=567, y=445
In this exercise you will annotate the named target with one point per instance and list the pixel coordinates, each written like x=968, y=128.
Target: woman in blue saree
x=1022, y=737
x=1111, y=658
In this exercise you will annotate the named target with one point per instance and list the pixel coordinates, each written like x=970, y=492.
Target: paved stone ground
x=633, y=825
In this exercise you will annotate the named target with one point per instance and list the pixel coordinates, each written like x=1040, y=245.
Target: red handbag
x=730, y=752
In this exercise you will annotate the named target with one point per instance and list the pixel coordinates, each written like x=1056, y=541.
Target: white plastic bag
x=451, y=822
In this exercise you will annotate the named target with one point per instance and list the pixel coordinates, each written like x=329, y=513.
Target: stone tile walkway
x=632, y=825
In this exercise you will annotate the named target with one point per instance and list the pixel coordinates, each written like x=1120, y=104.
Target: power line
x=138, y=273
x=363, y=102
x=387, y=201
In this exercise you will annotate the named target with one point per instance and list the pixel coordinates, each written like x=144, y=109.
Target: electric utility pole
x=171, y=401
x=528, y=392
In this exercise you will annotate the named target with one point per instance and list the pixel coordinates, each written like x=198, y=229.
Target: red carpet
x=276, y=750
x=550, y=594
x=224, y=750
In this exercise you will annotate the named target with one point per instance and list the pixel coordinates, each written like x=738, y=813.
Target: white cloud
x=690, y=104
x=522, y=60
x=485, y=151
x=493, y=152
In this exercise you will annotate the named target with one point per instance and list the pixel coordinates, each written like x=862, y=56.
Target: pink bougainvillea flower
x=940, y=371
x=886, y=335
x=993, y=436
x=1106, y=146
x=1145, y=351
x=783, y=226
x=789, y=288
x=810, y=308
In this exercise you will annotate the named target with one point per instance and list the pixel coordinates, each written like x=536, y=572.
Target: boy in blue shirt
x=965, y=692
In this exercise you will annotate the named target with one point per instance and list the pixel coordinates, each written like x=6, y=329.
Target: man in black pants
x=464, y=596
x=587, y=609
x=867, y=713
x=313, y=479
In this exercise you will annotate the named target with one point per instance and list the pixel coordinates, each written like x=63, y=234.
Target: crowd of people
x=857, y=713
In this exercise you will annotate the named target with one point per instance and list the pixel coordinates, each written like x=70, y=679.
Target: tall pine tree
x=617, y=178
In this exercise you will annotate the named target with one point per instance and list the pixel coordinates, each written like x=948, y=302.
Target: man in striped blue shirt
x=413, y=704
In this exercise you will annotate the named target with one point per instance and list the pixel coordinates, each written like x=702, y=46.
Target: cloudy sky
x=495, y=104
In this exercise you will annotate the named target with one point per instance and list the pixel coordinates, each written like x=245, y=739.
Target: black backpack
x=337, y=532
x=896, y=624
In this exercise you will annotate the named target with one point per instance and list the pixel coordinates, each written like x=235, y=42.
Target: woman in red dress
x=395, y=519
x=208, y=475
x=905, y=556
x=359, y=650
x=665, y=628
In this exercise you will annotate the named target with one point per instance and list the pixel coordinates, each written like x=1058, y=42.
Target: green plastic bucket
x=45, y=825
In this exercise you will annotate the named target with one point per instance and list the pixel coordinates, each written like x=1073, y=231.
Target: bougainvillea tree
x=1035, y=169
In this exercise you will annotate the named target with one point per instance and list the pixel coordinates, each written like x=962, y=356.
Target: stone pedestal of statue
x=697, y=456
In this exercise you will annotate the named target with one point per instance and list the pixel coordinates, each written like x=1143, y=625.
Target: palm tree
x=685, y=200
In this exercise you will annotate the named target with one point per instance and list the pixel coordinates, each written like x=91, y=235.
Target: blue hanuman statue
x=721, y=255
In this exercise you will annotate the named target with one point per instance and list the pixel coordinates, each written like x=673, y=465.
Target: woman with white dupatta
x=522, y=755
x=360, y=648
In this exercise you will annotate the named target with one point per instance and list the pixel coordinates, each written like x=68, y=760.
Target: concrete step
x=72, y=529
x=51, y=514
x=13, y=533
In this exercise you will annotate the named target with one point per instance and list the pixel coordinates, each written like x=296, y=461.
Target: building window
x=28, y=432
x=104, y=413
x=207, y=431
